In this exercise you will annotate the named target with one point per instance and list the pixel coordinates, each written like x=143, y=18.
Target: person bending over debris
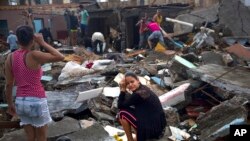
x=98, y=42
x=24, y=67
x=147, y=117
x=156, y=33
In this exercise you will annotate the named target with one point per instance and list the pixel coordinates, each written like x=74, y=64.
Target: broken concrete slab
x=65, y=126
x=210, y=57
x=13, y=136
x=197, y=16
x=86, y=95
x=235, y=81
x=92, y=133
x=83, y=79
x=100, y=105
x=103, y=116
x=178, y=68
x=232, y=112
x=174, y=96
x=236, y=16
x=63, y=101
x=151, y=69
x=60, y=101
x=55, y=130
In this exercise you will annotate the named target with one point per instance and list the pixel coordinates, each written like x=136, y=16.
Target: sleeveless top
x=28, y=81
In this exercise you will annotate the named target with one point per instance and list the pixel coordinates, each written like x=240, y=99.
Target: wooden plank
x=136, y=53
x=9, y=124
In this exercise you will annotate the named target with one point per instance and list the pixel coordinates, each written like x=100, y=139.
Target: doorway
x=4, y=28
x=132, y=32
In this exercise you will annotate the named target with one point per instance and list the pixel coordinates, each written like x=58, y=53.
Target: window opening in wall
x=66, y=1
x=4, y=28
x=102, y=0
x=12, y=2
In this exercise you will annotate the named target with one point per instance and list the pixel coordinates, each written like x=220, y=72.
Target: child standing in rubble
x=24, y=68
x=140, y=110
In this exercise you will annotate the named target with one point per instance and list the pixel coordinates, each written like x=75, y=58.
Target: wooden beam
x=9, y=124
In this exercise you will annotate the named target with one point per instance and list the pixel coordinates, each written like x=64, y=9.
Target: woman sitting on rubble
x=24, y=68
x=140, y=110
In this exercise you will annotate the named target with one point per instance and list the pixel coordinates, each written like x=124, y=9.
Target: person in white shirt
x=98, y=42
x=12, y=41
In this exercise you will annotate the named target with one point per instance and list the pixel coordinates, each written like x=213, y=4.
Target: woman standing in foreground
x=146, y=116
x=23, y=67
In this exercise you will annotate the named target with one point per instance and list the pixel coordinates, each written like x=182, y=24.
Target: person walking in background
x=158, y=17
x=146, y=117
x=84, y=20
x=24, y=68
x=73, y=28
x=12, y=41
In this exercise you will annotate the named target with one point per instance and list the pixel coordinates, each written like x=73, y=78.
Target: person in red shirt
x=156, y=33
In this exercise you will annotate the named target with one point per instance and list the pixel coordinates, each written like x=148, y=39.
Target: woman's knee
x=30, y=132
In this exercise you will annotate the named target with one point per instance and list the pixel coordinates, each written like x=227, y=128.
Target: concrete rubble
x=203, y=87
x=235, y=80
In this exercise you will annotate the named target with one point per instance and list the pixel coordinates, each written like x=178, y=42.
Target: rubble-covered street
x=201, y=74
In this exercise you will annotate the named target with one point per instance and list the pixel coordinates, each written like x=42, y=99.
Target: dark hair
x=81, y=6
x=131, y=74
x=24, y=35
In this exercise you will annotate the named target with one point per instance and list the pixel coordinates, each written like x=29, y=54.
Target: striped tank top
x=28, y=81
